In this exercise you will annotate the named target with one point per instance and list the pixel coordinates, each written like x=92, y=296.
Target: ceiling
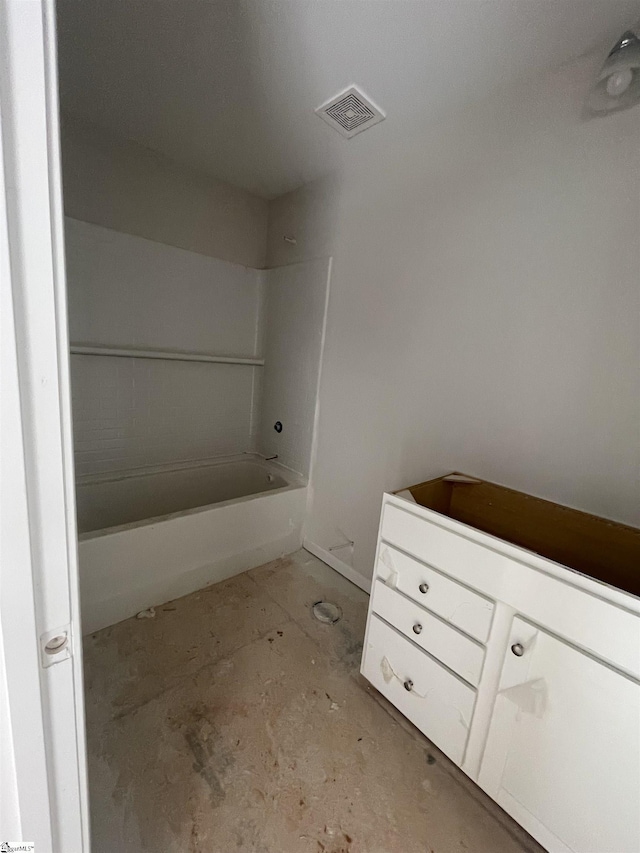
x=230, y=86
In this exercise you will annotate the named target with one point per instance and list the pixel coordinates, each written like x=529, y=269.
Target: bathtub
x=148, y=537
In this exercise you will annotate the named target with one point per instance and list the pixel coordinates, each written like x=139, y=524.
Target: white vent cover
x=350, y=112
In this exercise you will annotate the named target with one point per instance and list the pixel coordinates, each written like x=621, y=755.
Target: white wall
x=484, y=312
x=130, y=292
x=124, y=186
x=311, y=214
x=294, y=315
x=127, y=291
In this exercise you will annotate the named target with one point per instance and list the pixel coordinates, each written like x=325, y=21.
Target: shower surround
x=181, y=365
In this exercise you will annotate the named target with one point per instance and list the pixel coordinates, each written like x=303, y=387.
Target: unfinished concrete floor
x=234, y=720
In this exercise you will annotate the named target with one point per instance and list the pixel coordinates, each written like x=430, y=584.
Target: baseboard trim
x=342, y=568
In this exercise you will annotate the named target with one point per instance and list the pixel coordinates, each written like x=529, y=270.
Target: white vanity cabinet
x=524, y=671
x=563, y=752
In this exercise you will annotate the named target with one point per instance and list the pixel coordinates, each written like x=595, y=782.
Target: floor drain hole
x=327, y=612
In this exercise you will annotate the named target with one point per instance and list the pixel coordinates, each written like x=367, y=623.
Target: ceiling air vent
x=350, y=112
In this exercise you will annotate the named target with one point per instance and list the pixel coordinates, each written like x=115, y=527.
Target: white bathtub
x=149, y=537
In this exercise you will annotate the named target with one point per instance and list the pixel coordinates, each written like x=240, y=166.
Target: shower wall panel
x=128, y=292
x=295, y=308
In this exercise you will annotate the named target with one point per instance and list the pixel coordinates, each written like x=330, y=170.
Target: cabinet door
x=563, y=750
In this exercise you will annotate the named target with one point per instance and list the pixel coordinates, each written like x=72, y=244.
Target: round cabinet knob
x=408, y=685
x=417, y=628
x=424, y=588
x=517, y=649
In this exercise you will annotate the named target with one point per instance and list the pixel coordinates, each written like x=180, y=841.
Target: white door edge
x=39, y=574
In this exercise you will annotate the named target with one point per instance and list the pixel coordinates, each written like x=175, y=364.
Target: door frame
x=44, y=777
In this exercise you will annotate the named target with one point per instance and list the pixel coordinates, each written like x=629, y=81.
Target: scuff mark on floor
x=334, y=841
x=202, y=766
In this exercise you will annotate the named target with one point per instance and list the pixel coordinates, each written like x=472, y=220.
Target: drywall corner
x=302, y=223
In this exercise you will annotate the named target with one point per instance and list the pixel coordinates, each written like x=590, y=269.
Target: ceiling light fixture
x=618, y=84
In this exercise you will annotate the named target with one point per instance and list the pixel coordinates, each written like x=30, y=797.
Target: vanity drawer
x=450, y=600
x=435, y=700
x=449, y=645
